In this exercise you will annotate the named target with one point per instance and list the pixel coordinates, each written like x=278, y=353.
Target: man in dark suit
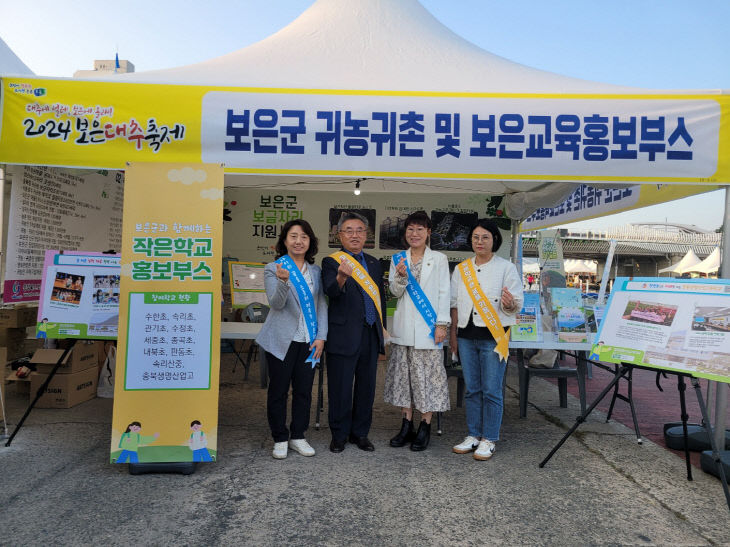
x=354, y=340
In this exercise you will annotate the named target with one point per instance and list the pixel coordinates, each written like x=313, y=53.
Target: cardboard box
x=12, y=336
x=22, y=385
x=18, y=317
x=65, y=390
x=81, y=357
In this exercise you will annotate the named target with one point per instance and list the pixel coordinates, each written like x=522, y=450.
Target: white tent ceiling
x=380, y=45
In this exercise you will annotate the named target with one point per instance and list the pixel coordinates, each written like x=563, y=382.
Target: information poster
x=54, y=208
x=79, y=295
x=569, y=315
x=527, y=328
x=166, y=393
x=247, y=283
x=675, y=324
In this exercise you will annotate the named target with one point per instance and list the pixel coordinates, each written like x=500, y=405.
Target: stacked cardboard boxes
x=14, y=323
x=75, y=380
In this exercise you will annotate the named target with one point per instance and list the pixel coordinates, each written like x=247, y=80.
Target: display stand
x=630, y=400
x=39, y=393
x=184, y=468
x=622, y=372
x=4, y=432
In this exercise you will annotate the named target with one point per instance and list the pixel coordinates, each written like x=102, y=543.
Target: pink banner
x=21, y=290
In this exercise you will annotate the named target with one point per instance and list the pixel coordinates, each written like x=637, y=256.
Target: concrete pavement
x=600, y=488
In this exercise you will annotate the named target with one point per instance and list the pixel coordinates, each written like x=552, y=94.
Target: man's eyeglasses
x=350, y=232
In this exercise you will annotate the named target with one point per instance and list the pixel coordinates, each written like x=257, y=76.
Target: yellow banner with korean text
x=669, y=138
x=168, y=358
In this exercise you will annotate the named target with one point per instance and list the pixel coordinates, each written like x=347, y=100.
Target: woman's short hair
x=419, y=218
x=307, y=229
x=491, y=226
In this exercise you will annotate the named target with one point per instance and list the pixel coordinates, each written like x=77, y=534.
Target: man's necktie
x=370, y=311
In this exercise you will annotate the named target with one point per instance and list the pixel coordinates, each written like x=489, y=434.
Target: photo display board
x=247, y=283
x=681, y=325
x=79, y=295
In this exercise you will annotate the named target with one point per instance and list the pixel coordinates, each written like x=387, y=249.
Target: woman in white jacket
x=416, y=376
x=497, y=288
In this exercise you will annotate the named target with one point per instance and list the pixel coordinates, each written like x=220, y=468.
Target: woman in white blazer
x=416, y=376
x=473, y=341
x=285, y=338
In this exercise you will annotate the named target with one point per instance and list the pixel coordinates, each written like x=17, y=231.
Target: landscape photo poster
x=681, y=325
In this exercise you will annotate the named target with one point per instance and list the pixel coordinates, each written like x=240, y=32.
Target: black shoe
x=406, y=435
x=337, y=446
x=422, y=437
x=363, y=443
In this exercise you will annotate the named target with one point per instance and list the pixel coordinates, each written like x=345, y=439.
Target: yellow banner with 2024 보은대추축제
x=659, y=138
x=167, y=370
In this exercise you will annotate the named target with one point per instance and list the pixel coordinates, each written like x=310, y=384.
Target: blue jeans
x=128, y=454
x=202, y=455
x=483, y=379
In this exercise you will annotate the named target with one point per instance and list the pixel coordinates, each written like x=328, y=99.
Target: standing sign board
x=681, y=325
x=79, y=296
x=166, y=395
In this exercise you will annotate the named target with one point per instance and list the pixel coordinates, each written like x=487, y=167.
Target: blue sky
x=660, y=44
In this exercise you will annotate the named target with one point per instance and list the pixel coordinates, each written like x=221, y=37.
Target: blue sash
x=306, y=302
x=418, y=297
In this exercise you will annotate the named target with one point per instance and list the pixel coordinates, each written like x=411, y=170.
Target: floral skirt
x=416, y=377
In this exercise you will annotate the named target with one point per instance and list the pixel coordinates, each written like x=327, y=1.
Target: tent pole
x=514, y=251
x=721, y=387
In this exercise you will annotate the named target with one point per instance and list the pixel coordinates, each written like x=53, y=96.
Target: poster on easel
x=79, y=295
x=168, y=357
x=247, y=283
x=682, y=325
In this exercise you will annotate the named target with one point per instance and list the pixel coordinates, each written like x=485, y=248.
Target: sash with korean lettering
x=418, y=297
x=484, y=308
x=362, y=278
x=306, y=302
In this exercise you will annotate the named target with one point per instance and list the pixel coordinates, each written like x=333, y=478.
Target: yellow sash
x=484, y=308
x=362, y=278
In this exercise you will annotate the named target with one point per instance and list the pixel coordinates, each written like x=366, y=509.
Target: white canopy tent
x=10, y=63
x=687, y=264
x=574, y=266
x=711, y=264
x=384, y=45
x=391, y=45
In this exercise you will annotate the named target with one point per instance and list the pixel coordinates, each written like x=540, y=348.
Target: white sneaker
x=280, y=450
x=485, y=450
x=301, y=446
x=466, y=446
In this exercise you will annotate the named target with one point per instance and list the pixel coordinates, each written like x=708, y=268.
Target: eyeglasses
x=350, y=232
x=481, y=238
